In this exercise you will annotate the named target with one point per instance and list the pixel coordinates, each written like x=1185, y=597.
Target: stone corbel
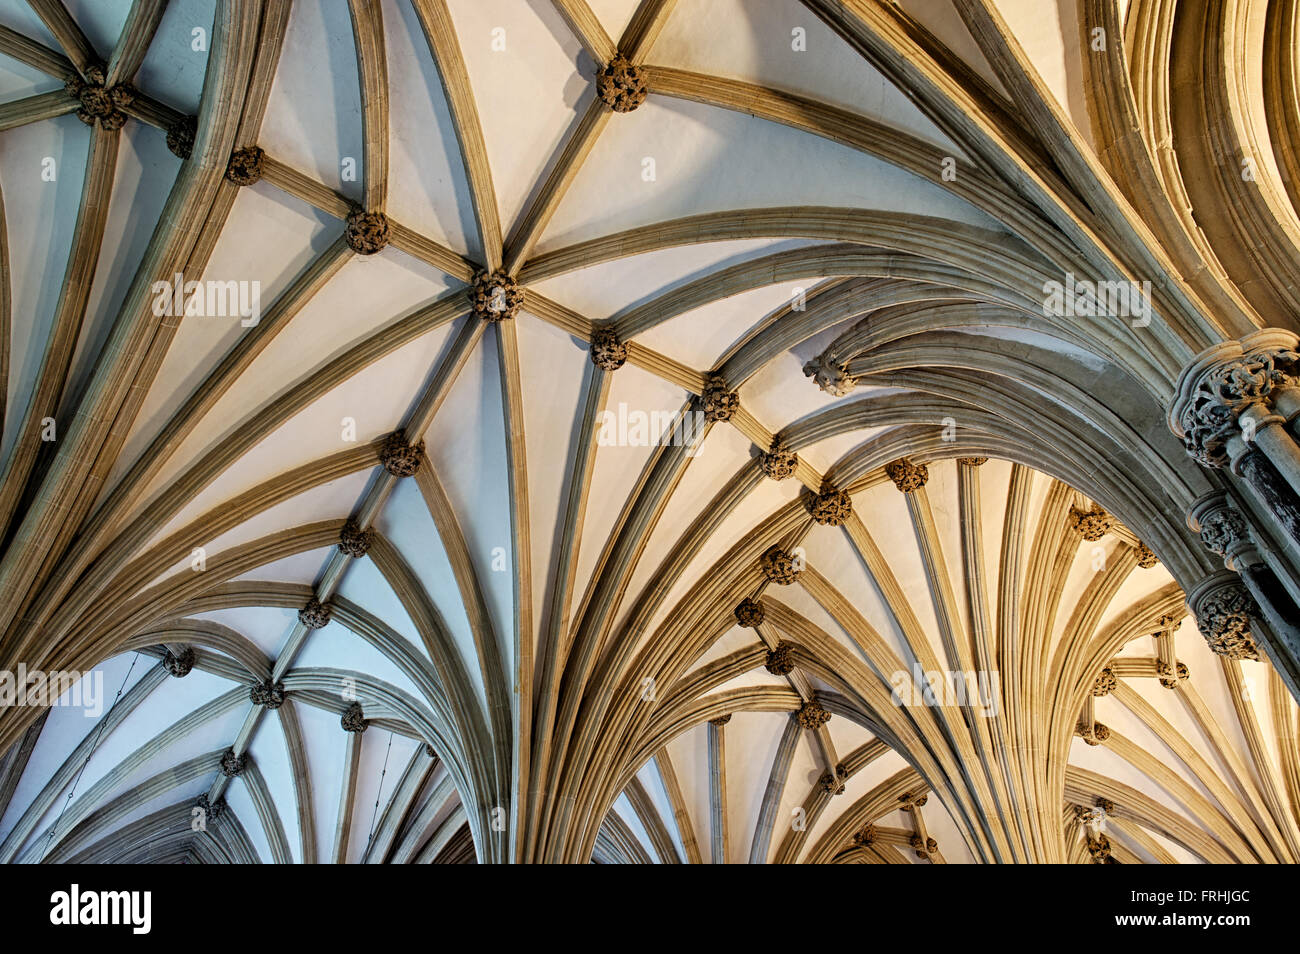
x=1238, y=393
x=1223, y=608
x=831, y=375
x=1224, y=530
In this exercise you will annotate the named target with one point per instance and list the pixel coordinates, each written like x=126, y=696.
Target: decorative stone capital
x=231, y=764
x=831, y=376
x=100, y=103
x=179, y=664
x=865, y=837
x=1105, y=683
x=721, y=720
x=428, y=750
x=1094, y=734
x=780, y=567
x=1106, y=805
x=367, y=232
x=245, y=165
x=1223, y=529
x=621, y=85
x=780, y=661
x=832, y=783
x=812, y=716
x=180, y=136
x=1146, y=557
x=778, y=463
x=749, y=613
x=1223, y=608
x=495, y=296
x=907, y=476
x=973, y=461
x=829, y=508
x=315, y=615
x=718, y=403
x=353, y=719
x=268, y=694
x=1224, y=381
x=607, y=352
x=400, y=458
x=1091, y=524
x=1170, y=678
x=354, y=541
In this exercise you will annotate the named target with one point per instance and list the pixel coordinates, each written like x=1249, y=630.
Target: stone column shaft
x=1277, y=443
x=1279, y=627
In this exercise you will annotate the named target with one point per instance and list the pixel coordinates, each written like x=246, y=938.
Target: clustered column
x=1237, y=410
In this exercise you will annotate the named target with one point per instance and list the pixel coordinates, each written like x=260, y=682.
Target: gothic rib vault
x=396, y=572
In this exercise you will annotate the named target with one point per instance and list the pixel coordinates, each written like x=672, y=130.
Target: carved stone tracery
x=1094, y=734
x=211, y=810
x=495, y=296
x=830, y=375
x=179, y=664
x=1091, y=524
x=231, y=764
x=780, y=566
x=1170, y=678
x=315, y=615
x=749, y=613
x=1223, y=615
x=923, y=847
x=716, y=401
x=353, y=719
x=245, y=166
x=865, y=837
x=607, y=352
x=1099, y=848
x=778, y=463
x=829, y=508
x=780, y=661
x=1223, y=382
x=367, y=232
x=399, y=457
x=1105, y=682
x=99, y=103
x=910, y=800
x=621, y=85
x=180, y=136
x=812, y=716
x=354, y=541
x=833, y=783
x=906, y=475
x=267, y=694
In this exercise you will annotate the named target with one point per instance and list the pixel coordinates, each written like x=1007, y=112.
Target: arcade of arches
x=729, y=431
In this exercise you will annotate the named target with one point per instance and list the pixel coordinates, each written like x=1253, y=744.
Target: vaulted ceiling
x=397, y=567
